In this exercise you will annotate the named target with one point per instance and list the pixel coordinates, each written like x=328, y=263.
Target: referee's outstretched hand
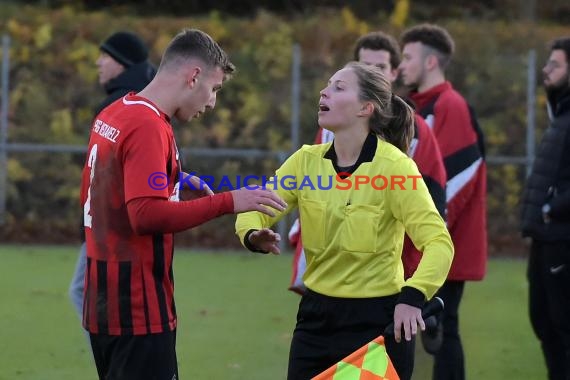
x=266, y=240
x=257, y=200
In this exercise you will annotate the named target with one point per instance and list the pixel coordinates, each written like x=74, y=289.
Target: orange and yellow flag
x=369, y=362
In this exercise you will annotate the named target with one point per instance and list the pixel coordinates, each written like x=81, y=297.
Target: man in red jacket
x=427, y=50
x=382, y=50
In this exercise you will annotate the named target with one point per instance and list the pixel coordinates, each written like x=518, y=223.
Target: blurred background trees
x=553, y=10
x=53, y=87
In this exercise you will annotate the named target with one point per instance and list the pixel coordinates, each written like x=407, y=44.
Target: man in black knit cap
x=122, y=67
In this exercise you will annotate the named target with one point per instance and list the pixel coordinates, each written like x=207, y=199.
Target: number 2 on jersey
x=87, y=206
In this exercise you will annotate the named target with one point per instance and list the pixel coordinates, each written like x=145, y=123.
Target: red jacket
x=425, y=152
x=447, y=113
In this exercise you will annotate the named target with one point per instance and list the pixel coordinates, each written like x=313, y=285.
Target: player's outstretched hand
x=257, y=200
x=266, y=240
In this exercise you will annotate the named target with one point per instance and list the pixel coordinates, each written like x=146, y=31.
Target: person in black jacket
x=122, y=66
x=546, y=220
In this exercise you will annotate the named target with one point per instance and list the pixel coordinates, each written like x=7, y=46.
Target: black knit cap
x=126, y=48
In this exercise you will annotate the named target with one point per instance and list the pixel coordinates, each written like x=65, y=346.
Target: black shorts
x=330, y=328
x=135, y=357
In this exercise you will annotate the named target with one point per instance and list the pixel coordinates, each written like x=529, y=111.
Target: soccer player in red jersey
x=129, y=216
x=122, y=66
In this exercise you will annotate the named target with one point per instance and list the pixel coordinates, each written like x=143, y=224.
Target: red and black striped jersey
x=129, y=282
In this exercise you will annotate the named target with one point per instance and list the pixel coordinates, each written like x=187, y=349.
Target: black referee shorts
x=330, y=328
x=135, y=357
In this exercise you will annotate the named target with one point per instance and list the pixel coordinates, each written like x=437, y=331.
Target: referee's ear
x=367, y=109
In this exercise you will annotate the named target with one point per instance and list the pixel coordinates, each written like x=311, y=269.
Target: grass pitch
x=235, y=319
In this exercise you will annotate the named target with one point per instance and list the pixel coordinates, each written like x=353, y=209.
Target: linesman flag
x=369, y=362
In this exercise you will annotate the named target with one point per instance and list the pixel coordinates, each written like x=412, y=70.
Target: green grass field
x=235, y=319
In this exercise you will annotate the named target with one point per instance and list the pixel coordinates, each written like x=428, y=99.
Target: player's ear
x=193, y=76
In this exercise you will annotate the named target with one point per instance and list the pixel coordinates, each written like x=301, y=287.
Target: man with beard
x=546, y=220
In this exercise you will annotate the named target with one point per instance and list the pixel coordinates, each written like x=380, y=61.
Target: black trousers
x=330, y=328
x=135, y=357
x=549, y=303
x=449, y=363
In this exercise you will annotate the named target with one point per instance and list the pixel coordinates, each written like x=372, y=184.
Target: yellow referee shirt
x=353, y=228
